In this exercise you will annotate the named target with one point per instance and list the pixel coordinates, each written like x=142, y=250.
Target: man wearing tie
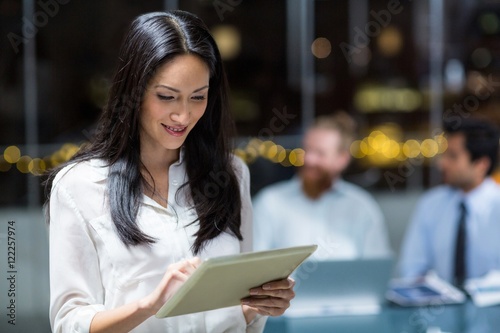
x=455, y=229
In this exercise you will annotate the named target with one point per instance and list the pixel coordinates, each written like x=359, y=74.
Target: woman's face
x=174, y=101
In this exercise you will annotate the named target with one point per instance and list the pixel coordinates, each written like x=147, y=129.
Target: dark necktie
x=460, y=248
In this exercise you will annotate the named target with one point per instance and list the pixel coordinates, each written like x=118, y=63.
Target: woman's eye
x=199, y=98
x=165, y=98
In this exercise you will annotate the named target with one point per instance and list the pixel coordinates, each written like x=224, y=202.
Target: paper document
x=485, y=291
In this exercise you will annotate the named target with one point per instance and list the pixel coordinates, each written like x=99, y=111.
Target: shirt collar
x=478, y=198
x=100, y=170
x=182, y=152
x=339, y=185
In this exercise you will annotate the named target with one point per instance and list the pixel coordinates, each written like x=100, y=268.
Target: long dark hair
x=152, y=40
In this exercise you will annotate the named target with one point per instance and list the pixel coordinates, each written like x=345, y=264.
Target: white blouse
x=91, y=270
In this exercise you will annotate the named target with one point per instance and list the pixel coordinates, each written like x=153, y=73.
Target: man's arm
x=415, y=257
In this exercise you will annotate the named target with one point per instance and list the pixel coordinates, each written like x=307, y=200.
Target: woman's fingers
x=280, y=284
x=285, y=284
x=272, y=298
x=281, y=289
x=196, y=261
x=186, y=266
x=173, y=278
x=267, y=306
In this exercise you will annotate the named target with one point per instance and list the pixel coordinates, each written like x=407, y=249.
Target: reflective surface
x=465, y=318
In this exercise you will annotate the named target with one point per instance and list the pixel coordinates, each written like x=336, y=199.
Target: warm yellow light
x=272, y=151
x=256, y=143
x=264, y=148
x=366, y=100
x=384, y=98
x=23, y=164
x=37, y=166
x=228, y=39
x=68, y=150
x=12, y=154
x=251, y=154
x=429, y=148
x=408, y=100
x=411, y=148
x=241, y=154
x=321, y=47
x=401, y=156
x=390, y=41
x=286, y=161
x=366, y=148
x=390, y=149
x=280, y=154
x=47, y=162
x=442, y=143
x=378, y=159
x=378, y=142
x=375, y=133
x=54, y=159
x=356, y=149
x=296, y=157
x=391, y=130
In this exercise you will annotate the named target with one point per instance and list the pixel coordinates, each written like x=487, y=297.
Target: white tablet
x=224, y=281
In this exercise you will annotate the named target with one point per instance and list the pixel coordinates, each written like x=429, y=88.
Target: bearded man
x=317, y=206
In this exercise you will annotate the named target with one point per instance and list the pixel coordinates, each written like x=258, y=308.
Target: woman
x=158, y=184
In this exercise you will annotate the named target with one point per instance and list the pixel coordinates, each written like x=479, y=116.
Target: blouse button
x=175, y=182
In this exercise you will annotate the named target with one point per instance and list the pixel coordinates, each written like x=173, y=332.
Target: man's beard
x=315, y=187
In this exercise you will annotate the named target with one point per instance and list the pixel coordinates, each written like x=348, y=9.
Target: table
x=462, y=318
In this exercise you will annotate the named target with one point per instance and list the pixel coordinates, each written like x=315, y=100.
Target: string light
x=429, y=148
x=296, y=157
x=36, y=166
x=12, y=154
x=23, y=164
x=378, y=148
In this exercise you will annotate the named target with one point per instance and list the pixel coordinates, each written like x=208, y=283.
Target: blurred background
x=398, y=67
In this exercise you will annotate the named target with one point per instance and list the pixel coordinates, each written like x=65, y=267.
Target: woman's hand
x=270, y=299
x=174, y=277
x=128, y=316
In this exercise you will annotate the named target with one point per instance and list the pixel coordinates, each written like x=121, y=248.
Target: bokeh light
x=489, y=23
x=12, y=154
x=442, y=143
x=411, y=148
x=280, y=154
x=429, y=148
x=296, y=157
x=390, y=149
x=321, y=47
x=356, y=149
x=383, y=146
x=228, y=40
x=264, y=147
x=390, y=41
x=37, y=166
x=481, y=57
x=23, y=164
